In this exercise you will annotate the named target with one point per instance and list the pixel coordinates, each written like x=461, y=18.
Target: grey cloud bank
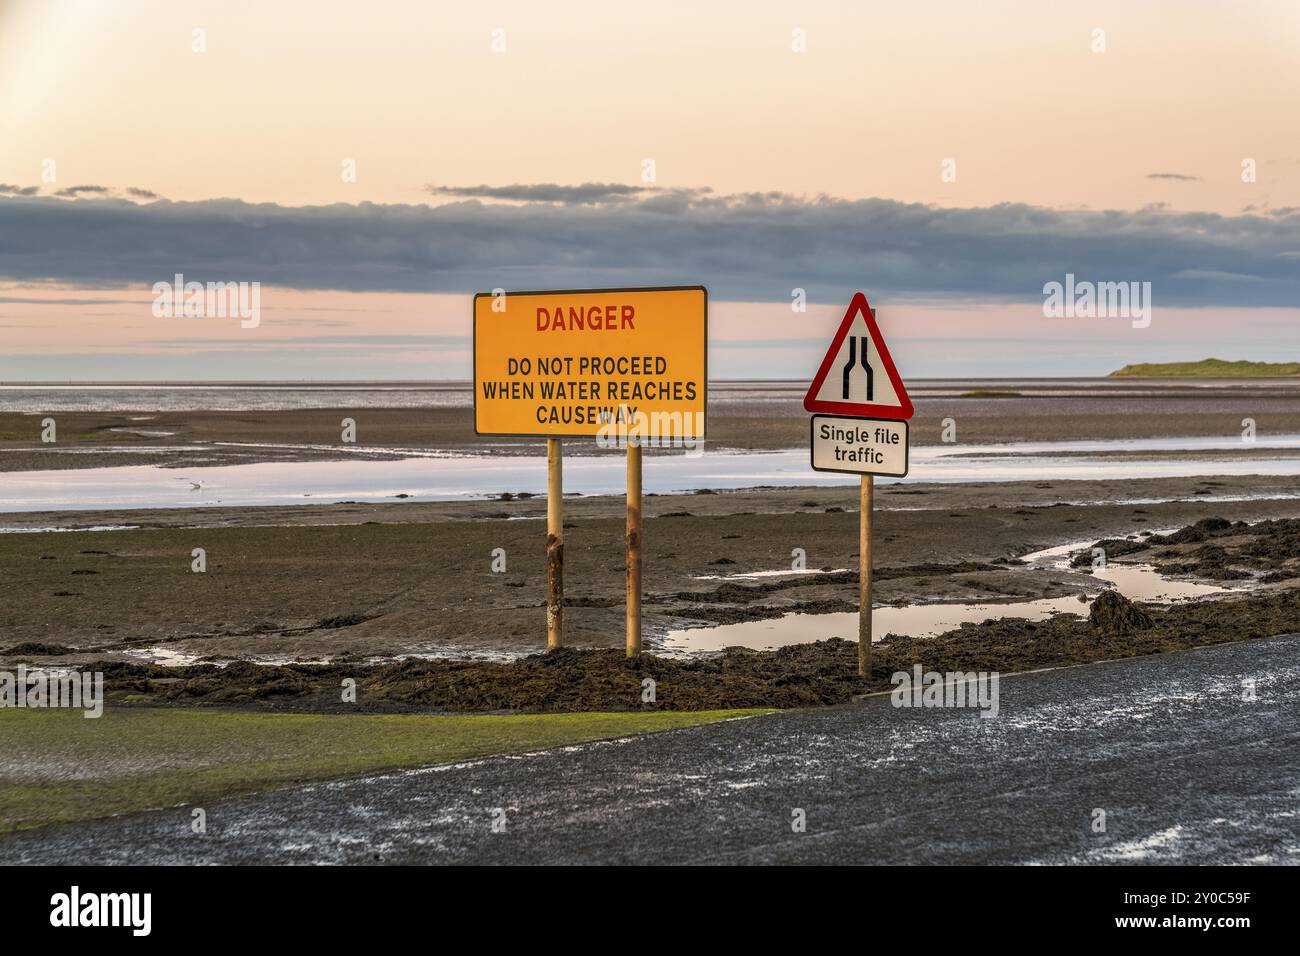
x=750, y=247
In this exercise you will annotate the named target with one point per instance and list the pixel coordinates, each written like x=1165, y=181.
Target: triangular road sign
x=857, y=377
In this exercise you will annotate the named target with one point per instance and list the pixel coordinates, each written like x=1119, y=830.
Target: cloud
x=749, y=247
x=586, y=194
x=76, y=192
x=1176, y=177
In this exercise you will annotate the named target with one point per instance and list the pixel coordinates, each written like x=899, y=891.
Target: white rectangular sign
x=859, y=446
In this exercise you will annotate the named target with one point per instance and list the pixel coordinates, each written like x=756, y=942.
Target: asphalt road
x=1185, y=770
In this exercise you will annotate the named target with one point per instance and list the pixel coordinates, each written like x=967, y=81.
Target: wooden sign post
x=866, y=433
x=554, y=544
x=623, y=366
x=864, y=576
x=633, y=548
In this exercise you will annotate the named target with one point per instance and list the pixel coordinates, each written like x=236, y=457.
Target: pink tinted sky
x=1018, y=94
x=359, y=336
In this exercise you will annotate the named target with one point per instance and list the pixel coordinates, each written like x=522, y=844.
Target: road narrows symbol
x=858, y=344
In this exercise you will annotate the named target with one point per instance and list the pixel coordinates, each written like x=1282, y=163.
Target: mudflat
x=461, y=583
x=381, y=580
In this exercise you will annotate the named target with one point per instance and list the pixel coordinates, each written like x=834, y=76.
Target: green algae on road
x=57, y=767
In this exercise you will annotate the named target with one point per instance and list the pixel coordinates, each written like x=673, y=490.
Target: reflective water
x=436, y=476
x=1134, y=581
x=237, y=396
x=93, y=527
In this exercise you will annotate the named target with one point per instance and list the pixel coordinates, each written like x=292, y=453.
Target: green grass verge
x=57, y=766
x=1208, y=368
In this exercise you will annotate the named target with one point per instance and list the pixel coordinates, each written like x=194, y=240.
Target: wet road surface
x=1185, y=770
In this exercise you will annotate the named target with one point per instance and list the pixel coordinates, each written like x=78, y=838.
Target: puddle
x=453, y=654
x=166, y=656
x=96, y=527
x=1139, y=582
x=760, y=575
x=1189, y=499
x=915, y=620
x=143, y=432
x=162, y=655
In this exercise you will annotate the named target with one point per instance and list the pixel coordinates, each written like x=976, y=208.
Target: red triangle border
x=859, y=409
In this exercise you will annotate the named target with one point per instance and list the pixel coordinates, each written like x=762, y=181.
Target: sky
x=371, y=166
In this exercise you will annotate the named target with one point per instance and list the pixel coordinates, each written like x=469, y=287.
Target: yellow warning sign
x=591, y=362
